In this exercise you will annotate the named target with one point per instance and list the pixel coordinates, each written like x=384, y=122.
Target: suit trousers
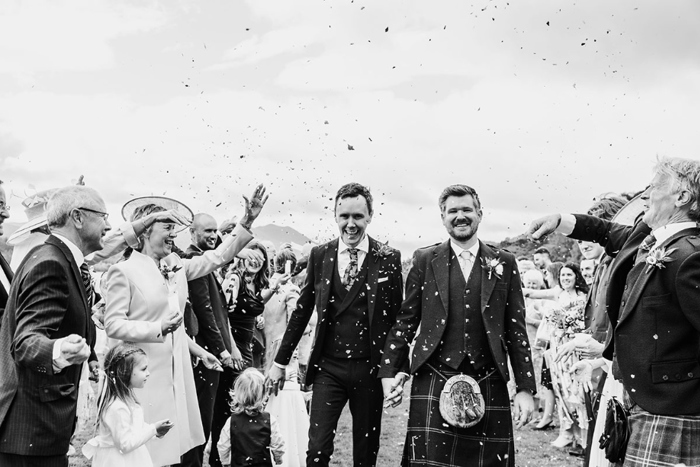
x=14, y=460
x=337, y=382
x=207, y=383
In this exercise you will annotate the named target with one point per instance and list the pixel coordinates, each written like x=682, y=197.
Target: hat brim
x=19, y=235
x=629, y=213
x=162, y=201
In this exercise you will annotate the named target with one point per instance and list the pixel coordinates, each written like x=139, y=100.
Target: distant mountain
x=279, y=234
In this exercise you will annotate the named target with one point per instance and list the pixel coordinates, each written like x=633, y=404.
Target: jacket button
x=627, y=286
x=623, y=303
x=46, y=390
x=690, y=375
x=665, y=377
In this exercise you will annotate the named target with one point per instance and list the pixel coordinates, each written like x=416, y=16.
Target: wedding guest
x=355, y=285
x=466, y=298
x=652, y=305
x=525, y=264
x=145, y=299
x=542, y=258
x=281, y=305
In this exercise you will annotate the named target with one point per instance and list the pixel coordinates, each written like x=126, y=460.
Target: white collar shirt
x=474, y=250
x=344, y=254
x=667, y=231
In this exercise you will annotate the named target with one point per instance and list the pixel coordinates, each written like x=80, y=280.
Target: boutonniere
x=169, y=272
x=658, y=257
x=492, y=266
x=383, y=249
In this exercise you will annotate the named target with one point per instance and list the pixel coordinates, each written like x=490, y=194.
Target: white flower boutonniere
x=658, y=257
x=383, y=249
x=169, y=272
x=492, y=266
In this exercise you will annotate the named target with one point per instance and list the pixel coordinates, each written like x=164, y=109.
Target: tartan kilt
x=430, y=441
x=661, y=440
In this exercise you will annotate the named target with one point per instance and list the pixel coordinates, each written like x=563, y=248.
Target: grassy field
x=532, y=447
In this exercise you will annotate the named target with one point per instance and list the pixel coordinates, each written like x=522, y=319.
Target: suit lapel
x=645, y=275
x=441, y=271
x=330, y=260
x=372, y=262
x=74, y=267
x=488, y=281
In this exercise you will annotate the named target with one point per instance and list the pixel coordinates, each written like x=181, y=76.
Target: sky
x=538, y=105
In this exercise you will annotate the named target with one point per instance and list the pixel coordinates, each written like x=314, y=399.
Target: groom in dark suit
x=47, y=333
x=355, y=284
x=653, y=302
x=467, y=299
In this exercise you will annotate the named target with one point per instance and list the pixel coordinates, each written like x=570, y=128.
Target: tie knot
x=466, y=255
x=648, y=242
x=84, y=269
x=353, y=253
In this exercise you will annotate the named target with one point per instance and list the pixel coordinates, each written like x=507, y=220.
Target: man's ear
x=683, y=198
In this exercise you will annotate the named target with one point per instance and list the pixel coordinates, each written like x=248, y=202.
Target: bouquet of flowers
x=568, y=319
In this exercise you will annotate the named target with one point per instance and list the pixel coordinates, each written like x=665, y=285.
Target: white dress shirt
x=474, y=250
x=344, y=254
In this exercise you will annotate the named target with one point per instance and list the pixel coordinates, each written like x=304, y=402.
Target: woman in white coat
x=145, y=301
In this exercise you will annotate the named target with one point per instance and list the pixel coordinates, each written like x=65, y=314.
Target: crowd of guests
x=255, y=350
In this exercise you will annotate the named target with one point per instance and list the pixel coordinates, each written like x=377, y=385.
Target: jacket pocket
x=675, y=372
x=656, y=300
x=56, y=392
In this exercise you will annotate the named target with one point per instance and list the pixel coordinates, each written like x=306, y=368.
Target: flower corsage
x=492, y=266
x=658, y=257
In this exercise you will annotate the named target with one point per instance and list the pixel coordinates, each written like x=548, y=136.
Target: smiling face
x=160, y=239
x=567, y=279
x=352, y=217
x=461, y=217
x=590, y=250
x=203, y=232
x=660, y=202
x=140, y=373
x=94, y=224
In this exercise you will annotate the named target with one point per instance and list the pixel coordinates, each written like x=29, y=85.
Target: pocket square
x=382, y=279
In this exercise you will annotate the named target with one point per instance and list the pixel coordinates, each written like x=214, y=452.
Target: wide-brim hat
x=35, y=210
x=629, y=213
x=162, y=201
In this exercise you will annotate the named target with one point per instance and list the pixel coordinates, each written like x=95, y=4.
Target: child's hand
x=278, y=459
x=162, y=427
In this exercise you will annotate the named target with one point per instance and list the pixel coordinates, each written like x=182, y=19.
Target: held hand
x=523, y=407
x=543, y=226
x=275, y=379
x=250, y=255
x=226, y=359
x=589, y=347
x=582, y=371
x=170, y=323
x=260, y=322
x=162, y=427
x=75, y=349
x=253, y=206
x=237, y=359
x=94, y=367
x=565, y=350
x=393, y=390
x=211, y=362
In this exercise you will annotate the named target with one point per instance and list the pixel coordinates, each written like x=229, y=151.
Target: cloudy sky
x=538, y=105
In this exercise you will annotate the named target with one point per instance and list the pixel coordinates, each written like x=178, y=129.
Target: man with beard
x=355, y=283
x=466, y=297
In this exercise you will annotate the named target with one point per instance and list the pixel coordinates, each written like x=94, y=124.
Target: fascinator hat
x=35, y=210
x=162, y=201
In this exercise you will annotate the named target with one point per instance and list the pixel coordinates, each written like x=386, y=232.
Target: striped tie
x=87, y=283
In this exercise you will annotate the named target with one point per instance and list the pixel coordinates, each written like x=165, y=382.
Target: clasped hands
x=393, y=389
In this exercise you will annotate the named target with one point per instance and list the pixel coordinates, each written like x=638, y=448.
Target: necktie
x=351, y=270
x=465, y=262
x=87, y=282
x=646, y=245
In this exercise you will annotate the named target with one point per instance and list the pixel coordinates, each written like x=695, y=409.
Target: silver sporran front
x=461, y=402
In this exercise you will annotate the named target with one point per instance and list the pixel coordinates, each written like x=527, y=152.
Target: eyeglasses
x=103, y=215
x=4, y=207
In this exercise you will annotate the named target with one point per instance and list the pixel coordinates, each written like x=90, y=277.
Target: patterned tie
x=351, y=271
x=465, y=262
x=87, y=283
x=646, y=245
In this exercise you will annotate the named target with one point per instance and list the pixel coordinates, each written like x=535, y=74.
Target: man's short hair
x=281, y=259
x=64, y=200
x=543, y=251
x=459, y=191
x=685, y=176
x=353, y=190
x=606, y=208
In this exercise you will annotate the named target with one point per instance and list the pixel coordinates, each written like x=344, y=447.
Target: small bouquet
x=569, y=319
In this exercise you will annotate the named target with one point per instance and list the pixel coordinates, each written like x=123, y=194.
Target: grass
x=531, y=447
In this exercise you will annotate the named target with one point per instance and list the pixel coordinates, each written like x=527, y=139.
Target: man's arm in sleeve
x=201, y=306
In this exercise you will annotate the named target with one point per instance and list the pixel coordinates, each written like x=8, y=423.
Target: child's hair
x=248, y=393
x=119, y=365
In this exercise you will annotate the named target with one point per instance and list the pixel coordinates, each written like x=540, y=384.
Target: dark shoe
x=546, y=426
x=577, y=451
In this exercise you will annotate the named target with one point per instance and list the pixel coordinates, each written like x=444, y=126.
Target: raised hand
x=227, y=225
x=253, y=206
x=253, y=256
x=543, y=226
x=172, y=216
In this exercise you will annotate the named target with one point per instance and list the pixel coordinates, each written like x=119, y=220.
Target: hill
x=279, y=234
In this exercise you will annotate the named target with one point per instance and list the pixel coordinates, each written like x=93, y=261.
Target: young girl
x=122, y=433
x=250, y=433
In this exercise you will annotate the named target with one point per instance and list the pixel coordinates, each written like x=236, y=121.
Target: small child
x=122, y=432
x=250, y=433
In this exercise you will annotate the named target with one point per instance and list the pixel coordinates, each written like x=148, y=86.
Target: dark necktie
x=87, y=282
x=351, y=271
x=646, y=245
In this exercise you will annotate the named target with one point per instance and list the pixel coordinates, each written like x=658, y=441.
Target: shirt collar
x=363, y=246
x=78, y=256
x=667, y=231
x=474, y=249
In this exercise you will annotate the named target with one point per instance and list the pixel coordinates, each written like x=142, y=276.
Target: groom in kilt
x=466, y=297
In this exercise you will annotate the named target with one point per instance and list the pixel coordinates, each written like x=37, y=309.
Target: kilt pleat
x=659, y=440
x=430, y=441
